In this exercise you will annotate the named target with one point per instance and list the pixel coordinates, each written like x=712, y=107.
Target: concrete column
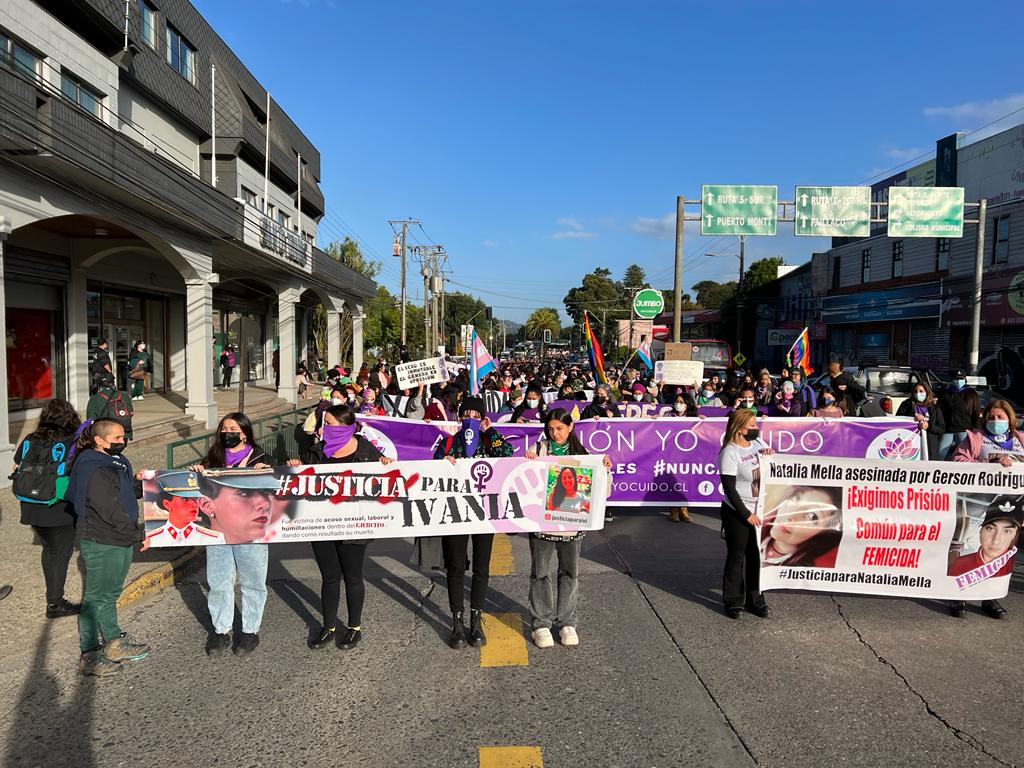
x=6, y=448
x=357, y=337
x=201, y=404
x=333, y=335
x=303, y=333
x=78, y=341
x=287, y=354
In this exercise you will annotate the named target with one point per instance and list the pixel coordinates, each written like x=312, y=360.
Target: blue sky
x=537, y=140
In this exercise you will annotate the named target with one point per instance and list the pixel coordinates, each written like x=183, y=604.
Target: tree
x=350, y=254
x=712, y=294
x=461, y=309
x=761, y=271
x=634, y=277
x=545, y=318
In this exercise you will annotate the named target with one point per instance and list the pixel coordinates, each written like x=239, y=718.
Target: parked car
x=887, y=386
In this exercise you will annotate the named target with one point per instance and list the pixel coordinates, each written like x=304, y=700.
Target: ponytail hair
x=99, y=428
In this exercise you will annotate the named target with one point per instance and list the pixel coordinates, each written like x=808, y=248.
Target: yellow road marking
x=506, y=646
x=502, y=563
x=510, y=757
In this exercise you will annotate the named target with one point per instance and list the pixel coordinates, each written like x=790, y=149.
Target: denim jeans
x=250, y=560
x=946, y=442
x=554, y=582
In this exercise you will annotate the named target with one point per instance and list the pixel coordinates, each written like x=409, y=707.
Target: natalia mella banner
x=672, y=460
x=921, y=529
x=375, y=501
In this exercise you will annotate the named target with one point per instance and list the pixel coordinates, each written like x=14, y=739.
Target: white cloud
x=574, y=234
x=490, y=244
x=979, y=112
x=660, y=229
x=904, y=154
x=571, y=223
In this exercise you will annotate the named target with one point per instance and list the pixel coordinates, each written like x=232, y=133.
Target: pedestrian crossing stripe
x=506, y=645
x=502, y=562
x=511, y=757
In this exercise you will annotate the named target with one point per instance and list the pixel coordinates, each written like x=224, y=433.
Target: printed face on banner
x=568, y=489
x=985, y=541
x=802, y=526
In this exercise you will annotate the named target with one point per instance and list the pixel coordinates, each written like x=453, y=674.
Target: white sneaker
x=542, y=638
x=568, y=636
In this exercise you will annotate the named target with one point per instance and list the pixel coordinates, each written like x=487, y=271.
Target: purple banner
x=673, y=461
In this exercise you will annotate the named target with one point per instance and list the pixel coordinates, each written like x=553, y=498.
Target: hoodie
x=105, y=493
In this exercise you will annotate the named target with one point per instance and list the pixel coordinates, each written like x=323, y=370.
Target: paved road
x=661, y=677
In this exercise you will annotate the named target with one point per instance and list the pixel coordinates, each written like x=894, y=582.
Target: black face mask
x=116, y=449
x=752, y=434
x=600, y=399
x=230, y=439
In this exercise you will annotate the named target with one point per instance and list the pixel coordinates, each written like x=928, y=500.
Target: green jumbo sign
x=648, y=304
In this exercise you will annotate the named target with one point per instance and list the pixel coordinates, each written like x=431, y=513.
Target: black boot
x=993, y=609
x=458, y=638
x=477, y=637
x=957, y=609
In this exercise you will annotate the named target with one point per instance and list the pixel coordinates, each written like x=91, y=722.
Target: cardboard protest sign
x=416, y=372
x=685, y=372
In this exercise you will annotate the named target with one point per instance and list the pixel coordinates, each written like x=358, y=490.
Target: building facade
x=151, y=189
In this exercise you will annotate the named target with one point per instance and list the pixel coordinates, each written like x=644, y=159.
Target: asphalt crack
x=693, y=668
x=959, y=734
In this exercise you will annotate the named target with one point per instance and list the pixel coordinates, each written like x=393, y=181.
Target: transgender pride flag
x=480, y=363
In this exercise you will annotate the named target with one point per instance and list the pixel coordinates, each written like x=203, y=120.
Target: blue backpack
x=43, y=472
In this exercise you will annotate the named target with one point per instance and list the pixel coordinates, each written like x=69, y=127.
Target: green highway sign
x=926, y=212
x=833, y=211
x=648, y=303
x=738, y=209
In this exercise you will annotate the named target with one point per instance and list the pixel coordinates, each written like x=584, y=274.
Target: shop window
x=942, y=254
x=865, y=265
x=1001, y=240
x=897, y=259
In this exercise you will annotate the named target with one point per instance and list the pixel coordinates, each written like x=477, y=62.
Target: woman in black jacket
x=341, y=559
x=53, y=523
x=924, y=407
x=105, y=491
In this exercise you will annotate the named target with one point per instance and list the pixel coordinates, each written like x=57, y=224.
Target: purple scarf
x=234, y=457
x=336, y=436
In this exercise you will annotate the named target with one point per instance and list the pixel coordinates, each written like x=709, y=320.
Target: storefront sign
x=783, y=337
x=907, y=303
x=921, y=529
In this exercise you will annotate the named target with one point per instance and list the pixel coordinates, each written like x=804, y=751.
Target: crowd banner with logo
x=670, y=460
x=412, y=374
x=375, y=501
x=686, y=372
x=913, y=529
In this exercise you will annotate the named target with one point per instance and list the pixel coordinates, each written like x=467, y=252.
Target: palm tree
x=545, y=318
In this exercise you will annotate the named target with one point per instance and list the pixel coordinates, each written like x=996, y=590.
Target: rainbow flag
x=643, y=353
x=594, y=351
x=480, y=363
x=800, y=353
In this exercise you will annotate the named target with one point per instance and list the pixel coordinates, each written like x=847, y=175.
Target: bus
x=714, y=353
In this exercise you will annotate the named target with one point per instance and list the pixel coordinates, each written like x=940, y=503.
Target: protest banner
x=672, y=461
x=375, y=501
x=913, y=529
x=686, y=372
x=416, y=372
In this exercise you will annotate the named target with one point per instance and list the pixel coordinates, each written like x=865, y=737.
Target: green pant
x=138, y=387
x=106, y=567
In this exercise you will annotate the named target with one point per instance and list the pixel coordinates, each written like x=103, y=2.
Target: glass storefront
x=124, y=317
x=246, y=332
x=35, y=345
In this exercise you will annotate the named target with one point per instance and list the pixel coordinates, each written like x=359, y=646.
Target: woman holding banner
x=475, y=438
x=998, y=441
x=342, y=559
x=739, y=468
x=923, y=406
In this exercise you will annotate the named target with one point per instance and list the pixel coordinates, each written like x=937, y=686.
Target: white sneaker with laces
x=568, y=636
x=542, y=638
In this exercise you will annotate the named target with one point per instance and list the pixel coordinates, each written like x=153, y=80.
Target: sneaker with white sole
x=568, y=636
x=542, y=638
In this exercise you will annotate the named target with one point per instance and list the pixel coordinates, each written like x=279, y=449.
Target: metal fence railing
x=280, y=435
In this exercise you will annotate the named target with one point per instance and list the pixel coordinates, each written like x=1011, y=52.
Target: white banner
x=416, y=372
x=915, y=529
x=685, y=372
x=375, y=501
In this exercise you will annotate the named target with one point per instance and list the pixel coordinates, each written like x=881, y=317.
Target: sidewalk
x=23, y=610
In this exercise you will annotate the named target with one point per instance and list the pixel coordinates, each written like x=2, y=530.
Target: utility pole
x=400, y=246
x=979, y=266
x=432, y=286
x=677, y=285
x=739, y=297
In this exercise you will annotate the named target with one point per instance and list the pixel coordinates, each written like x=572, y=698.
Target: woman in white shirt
x=739, y=468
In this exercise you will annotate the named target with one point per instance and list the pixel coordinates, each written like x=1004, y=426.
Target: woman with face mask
x=958, y=414
x=763, y=390
x=370, y=406
x=139, y=366
x=924, y=408
x=602, y=406
x=341, y=560
x=739, y=470
x=235, y=447
x=533, y=409
x=476, y=438
x=707, y=397
x=829, y=405
x=786, y=401
x=997, y=441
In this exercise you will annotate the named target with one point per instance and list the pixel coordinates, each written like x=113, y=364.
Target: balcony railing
x=279, y=239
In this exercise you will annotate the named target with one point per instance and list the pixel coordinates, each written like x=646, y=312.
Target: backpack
x=116, y=408
x=43, y=472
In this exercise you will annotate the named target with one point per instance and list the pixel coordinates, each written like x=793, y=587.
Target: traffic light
x=489, y=313
x=547, y=335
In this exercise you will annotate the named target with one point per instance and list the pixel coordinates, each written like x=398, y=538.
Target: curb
x=158, y=579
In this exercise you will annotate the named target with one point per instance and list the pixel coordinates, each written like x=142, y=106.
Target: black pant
x=341, y=560
x=456, y=557
x=741, y=583
x=58, y=544
x=226, y=377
